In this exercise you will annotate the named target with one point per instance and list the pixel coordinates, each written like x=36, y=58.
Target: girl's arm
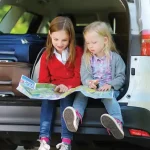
x=119, y=78
x=85, y=72
x=44, y=75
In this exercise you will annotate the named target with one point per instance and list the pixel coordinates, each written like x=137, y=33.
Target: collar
x=64, y=56
x=99, y=58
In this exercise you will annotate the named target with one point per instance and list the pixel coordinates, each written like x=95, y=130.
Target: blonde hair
x=57, y=24
x=103, y=30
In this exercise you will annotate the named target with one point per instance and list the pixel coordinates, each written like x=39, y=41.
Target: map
x=46, y=91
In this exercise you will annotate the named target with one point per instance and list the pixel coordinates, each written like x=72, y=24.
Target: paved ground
x=21, y=148
x=123, y=148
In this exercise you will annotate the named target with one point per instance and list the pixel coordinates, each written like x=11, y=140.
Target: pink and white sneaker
x=113, y=125
x=43, y=145
x=71, y=118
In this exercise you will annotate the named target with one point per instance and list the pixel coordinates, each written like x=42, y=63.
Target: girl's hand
x=61, y=88
x=105, y=87
x=92, y=84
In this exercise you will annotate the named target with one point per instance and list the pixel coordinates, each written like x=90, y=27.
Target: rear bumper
x=134, y=117
x=24, y=121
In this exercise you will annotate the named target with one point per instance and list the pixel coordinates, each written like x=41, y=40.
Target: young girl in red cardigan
x=60, y=65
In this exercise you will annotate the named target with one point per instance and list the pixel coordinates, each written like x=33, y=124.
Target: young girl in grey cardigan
x=103, y=69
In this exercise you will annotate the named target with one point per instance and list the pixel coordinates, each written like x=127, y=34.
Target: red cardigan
x=53, y=71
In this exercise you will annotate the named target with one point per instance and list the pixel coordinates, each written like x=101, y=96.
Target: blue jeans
x=113, y=107
x=80, y=103
x=46, y=118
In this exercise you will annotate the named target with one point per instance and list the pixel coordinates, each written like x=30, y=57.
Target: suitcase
x=17, y=54
x=20, y=48
x=10, y=74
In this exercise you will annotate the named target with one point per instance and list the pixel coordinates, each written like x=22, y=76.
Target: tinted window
x=22, y=24
x=3, y=11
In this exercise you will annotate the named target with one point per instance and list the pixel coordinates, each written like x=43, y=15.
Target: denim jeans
x=46, y=118
x=113, y=107
x=80, y=103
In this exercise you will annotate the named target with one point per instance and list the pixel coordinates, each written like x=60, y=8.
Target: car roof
x=47, y=7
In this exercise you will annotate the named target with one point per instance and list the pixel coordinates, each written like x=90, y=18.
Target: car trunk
x=115, y=13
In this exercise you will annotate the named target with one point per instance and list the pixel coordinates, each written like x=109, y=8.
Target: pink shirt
x=101, y=69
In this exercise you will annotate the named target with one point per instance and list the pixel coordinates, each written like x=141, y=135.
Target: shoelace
x=108, y=131
x=119, y=123
x=44, y=144
x=79, y=117
x=62, y=146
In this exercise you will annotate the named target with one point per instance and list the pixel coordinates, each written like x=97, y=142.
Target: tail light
x=145, y=49
x=135, y=132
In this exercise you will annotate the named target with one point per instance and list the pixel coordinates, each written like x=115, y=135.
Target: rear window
x=22, y=25
x=3, y=11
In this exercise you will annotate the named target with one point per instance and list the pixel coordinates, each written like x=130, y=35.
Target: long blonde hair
x=57, y=24
x=103, y=30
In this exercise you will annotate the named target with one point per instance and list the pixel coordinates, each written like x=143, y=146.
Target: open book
x=46, y=91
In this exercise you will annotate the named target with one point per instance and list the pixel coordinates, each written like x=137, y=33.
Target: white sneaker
x=113, y=125
x=43, y=145
x=63, y=146
x=71, y=119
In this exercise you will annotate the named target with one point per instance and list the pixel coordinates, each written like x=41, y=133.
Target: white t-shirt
x=63, y=57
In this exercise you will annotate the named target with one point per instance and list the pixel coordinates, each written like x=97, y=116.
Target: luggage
x=17, y=54
x=20, y=48
x=10, y=74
